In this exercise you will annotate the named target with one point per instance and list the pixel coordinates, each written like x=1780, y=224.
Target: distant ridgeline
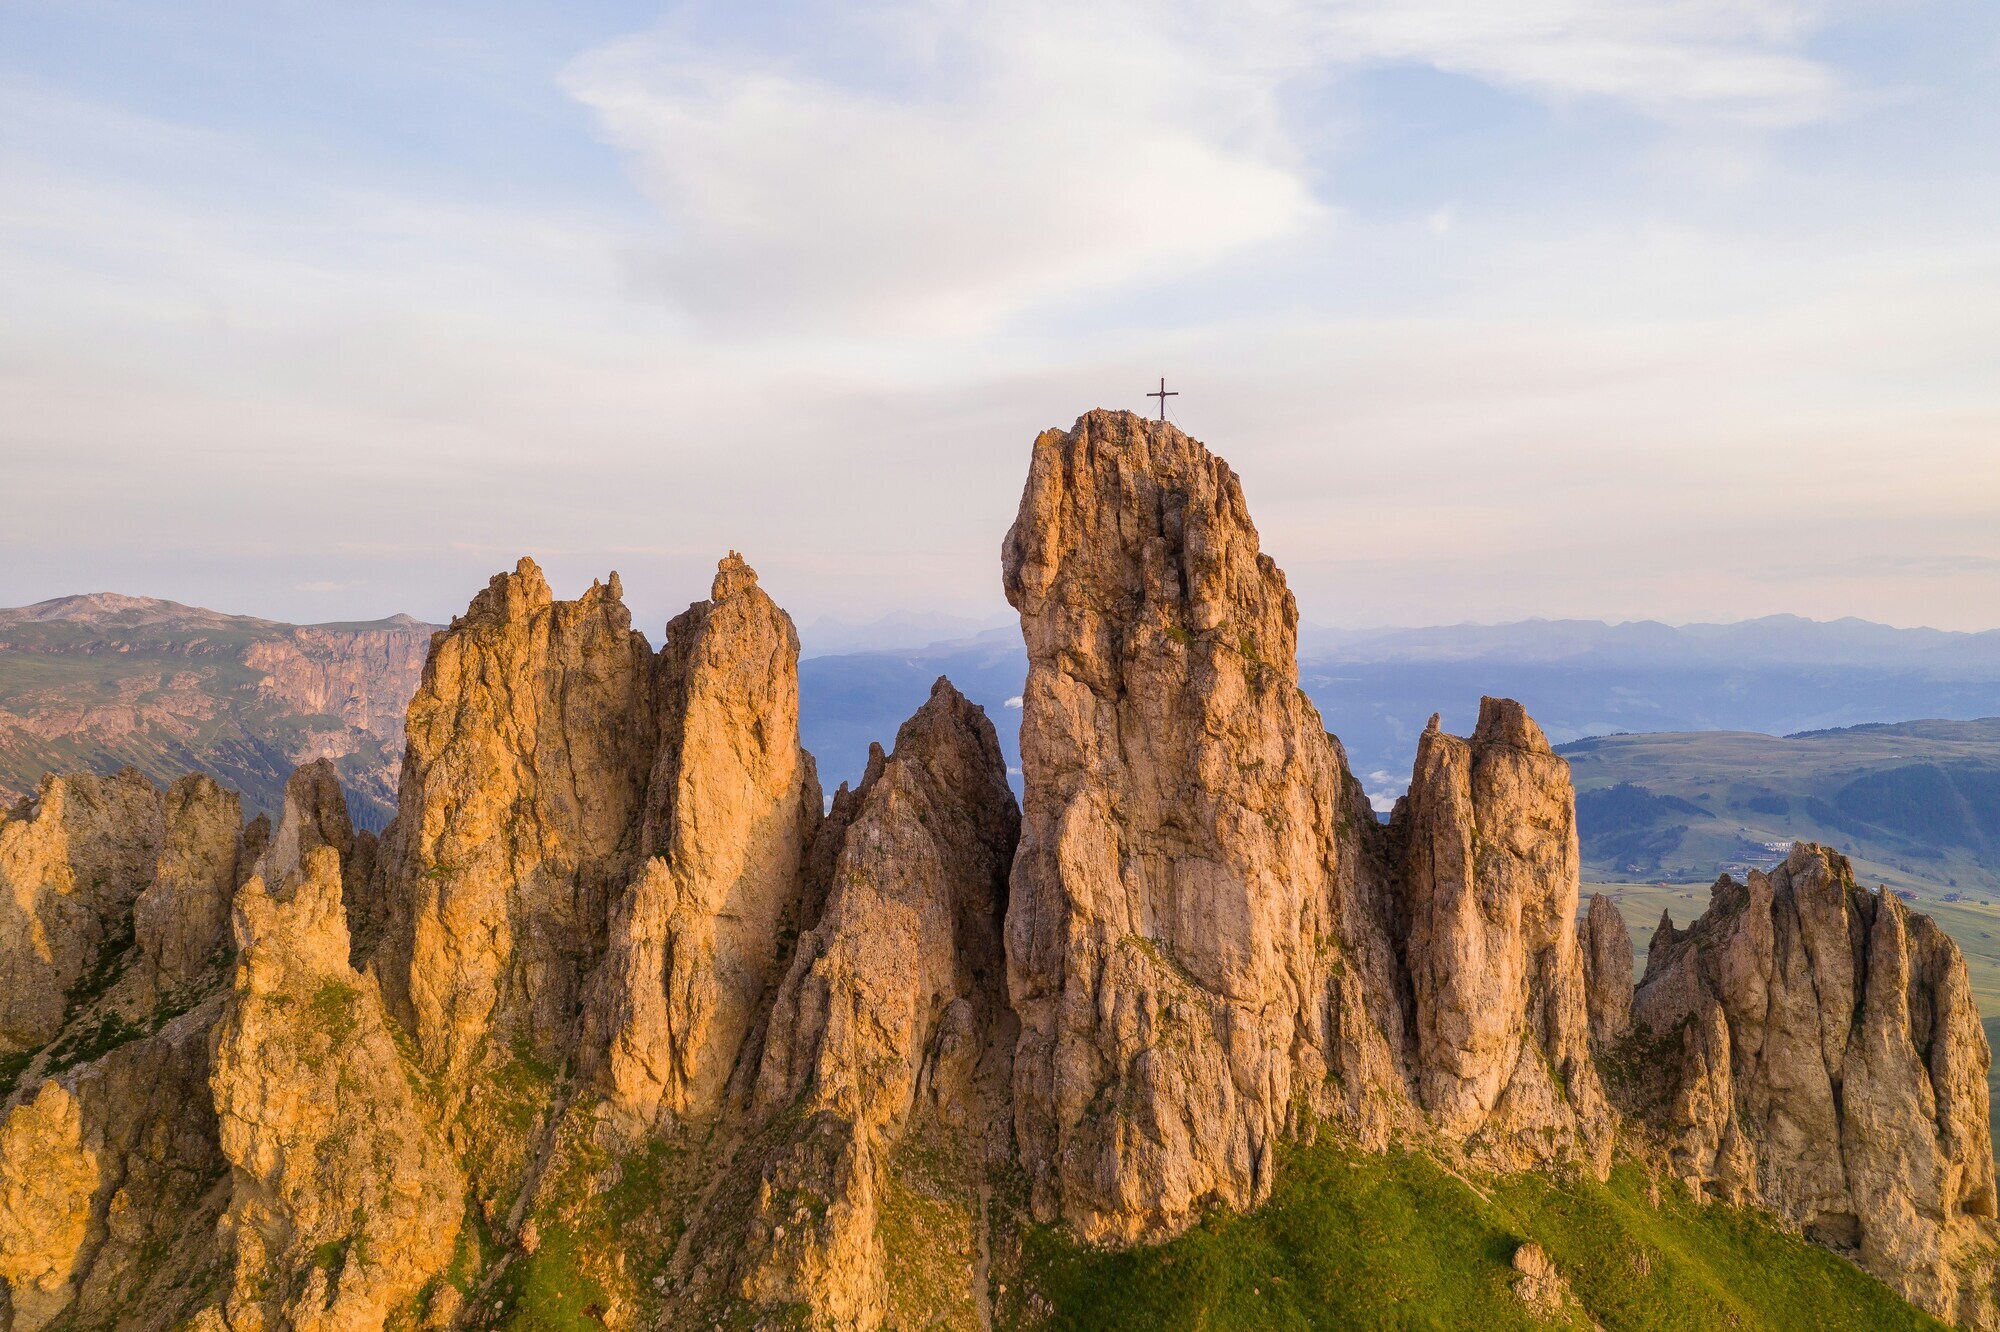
x=1377, y=689
x=621, y=1023
x=97, y=683
x=1916, y=804
x=103, y=681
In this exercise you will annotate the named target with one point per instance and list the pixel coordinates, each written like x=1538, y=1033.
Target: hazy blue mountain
x=1377, y=688
x=849, y=699
x=895, y=632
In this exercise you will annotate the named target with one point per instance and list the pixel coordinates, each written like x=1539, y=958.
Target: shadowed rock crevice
x=731, y=813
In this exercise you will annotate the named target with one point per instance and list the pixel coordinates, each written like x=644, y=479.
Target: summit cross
x=1163, y=395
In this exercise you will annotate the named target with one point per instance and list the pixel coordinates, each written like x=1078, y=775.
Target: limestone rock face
x=1171, y=923
x=182, y=916
x=344, y=1199
x=364, y=676
x=111, y=1183
x=1490, y=887
x=72, y=861
x=891, y=1026
x=109, y=1164
x=731, y=809
x=314, y=815
x=530, y=743
x=47, y=1178
x=1813, y=1048
x=1607, y=971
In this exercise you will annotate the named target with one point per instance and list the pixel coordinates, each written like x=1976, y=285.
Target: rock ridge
x=1812, y=1048
x=620, y=1023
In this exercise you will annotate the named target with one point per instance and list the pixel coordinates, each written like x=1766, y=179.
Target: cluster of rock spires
x=618, y=993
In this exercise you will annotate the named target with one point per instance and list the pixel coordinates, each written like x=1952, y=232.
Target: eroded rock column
x=1814, y=1049
x=1170, y=932
x=345, y=1199
x=732, y=806
x=891, y=1026
x=530, y=743
x=1490, y=884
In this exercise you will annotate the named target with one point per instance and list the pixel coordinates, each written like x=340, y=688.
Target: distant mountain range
x=1377, y=688
x=103, y=681
x=1916, y=804
x=1769, y=640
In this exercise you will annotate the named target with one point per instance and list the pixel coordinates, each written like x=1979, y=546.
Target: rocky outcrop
x=1489, y=892
x=344, y=1201
x=1540, y=1286
x=72, y=861
x=731, y=810
x=530, y=744
x=47, y=1179
x=670, y=1047
x=1813, y=1048
x=314, y=815
x=181, y=920
x=1188, y=950
x=893, y=1027
x=111, y=1184
x=109, y=1164
x=1607, y=971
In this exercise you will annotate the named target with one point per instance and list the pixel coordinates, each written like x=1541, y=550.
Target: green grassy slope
x=1352, y=1240
x=1914, y=805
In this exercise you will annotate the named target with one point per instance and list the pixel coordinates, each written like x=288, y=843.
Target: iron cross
x=1163, y=395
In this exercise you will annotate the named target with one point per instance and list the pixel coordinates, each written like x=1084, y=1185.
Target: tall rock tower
x=1187, y=845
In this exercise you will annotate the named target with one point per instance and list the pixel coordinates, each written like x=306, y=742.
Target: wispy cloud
x=985, y=159
x=1023, y=153
x=1737, y=60
x=1499, y=309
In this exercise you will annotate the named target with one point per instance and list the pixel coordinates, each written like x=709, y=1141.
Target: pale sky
x=1597, y=308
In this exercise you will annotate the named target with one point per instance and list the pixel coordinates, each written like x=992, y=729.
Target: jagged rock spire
x=1821, y=1055
x=892, y=1024
x=333, y=1152
x=1489, y=888
x=1170, y=929
x=531, y=740
x=732, y=805
x=1607, y=971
